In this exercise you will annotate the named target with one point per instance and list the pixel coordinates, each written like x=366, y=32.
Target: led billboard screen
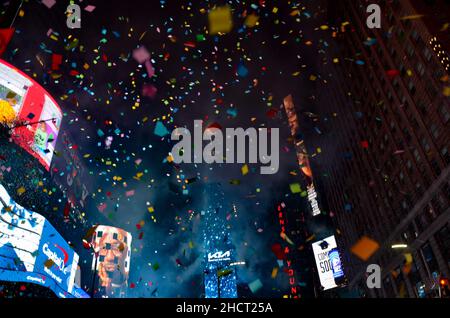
x=112, y=260
x=38, y=116
x=328, y=262
x=31, y=249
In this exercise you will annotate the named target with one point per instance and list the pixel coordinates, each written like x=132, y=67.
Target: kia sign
x=38, y=116
x=219, y=256
x=31, y=250
x=328, y=263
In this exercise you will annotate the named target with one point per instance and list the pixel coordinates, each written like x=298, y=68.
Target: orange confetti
x=365, y=248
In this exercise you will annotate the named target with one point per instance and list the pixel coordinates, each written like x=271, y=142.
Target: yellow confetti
x=446, y=91
x=274, y=272
x=412, y=17
x=21, y=191
x=220, y=20
x=251, y=20
x=244, y=170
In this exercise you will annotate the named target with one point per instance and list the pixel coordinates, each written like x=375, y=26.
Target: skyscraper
x=387, y=163
x=219, y=276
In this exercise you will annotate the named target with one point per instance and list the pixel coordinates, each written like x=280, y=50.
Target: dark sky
x=198, y=82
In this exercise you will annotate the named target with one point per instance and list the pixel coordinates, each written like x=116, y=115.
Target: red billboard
x=38, y=116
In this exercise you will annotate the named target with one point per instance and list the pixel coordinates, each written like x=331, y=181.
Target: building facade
x=387, y=167
x=219, y=273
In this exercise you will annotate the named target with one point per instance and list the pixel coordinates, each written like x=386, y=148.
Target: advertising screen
x=31, y=250
x=38, y=116
x=112, y=262
x=328, y=262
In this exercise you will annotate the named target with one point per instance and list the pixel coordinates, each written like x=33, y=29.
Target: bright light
x=399, y=246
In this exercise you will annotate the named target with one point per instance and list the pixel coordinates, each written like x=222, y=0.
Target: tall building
x=219, y=273
x=387, y=162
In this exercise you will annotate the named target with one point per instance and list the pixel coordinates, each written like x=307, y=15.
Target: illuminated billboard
x=31, y=250
x=111, y=260
x=38, y=116
x=328, y=262
x=302, y=154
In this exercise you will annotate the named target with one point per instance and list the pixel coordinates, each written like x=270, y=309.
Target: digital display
x=38, y=117
x=32, y=250
x=328, y=262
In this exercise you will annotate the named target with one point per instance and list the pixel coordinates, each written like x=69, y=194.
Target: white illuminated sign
x=312, y=198
x=324, y=266
x=219, y=256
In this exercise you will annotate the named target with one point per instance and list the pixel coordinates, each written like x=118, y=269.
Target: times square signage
x=290, y=271
x=312, y=198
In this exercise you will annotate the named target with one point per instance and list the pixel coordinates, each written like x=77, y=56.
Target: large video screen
x=32, y=250
x=38, y=116
x=113, y=259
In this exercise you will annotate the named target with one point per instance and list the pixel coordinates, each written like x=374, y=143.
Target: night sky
x=197, y=76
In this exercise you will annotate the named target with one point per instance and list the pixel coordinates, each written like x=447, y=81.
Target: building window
x=445, y=114
x=430, y=258
x=404, y=205
x=410, y=50
x=389, y=96
x=108, y=246
x=434, y=131
x=395, y=83
x=101, y=258
x=445, y=155
x=426, y=145
x=99, y=233
x=116, y=260
x=427, y=54
x=409, y=165
x=443, y=240
x=392, y=125
x=416, y=155
x=419, y=188
x=115, y=236
x=422, y=107
x=435, y=167
x=415, y=35
x=411, y=88
x=420, y=69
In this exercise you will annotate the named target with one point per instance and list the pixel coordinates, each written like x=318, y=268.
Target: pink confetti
x=89, y=8
x=141, y=55
x=150, y=69
x=49, y=3
x=102, y=207
x=149, y=90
